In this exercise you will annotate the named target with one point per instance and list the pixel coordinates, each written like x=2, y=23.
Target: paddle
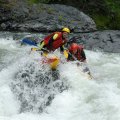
x=37, y=49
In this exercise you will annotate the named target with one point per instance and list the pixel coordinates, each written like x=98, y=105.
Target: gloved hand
x=34, y=49
x=41, y=45
x=65, y=53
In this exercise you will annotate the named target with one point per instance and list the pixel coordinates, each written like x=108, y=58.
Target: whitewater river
x=71, y=97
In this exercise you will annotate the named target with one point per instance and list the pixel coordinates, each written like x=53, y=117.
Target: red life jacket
x=78, y=55
x=55, y=43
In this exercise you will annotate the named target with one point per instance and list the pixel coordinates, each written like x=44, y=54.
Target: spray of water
x=28, y=91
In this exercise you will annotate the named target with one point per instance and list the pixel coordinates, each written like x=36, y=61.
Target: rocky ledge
x=22, y=16
x=107, y=41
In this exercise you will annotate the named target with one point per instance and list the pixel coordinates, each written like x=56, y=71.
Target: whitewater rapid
x=96, y=99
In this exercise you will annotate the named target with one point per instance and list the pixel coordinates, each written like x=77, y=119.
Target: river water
x=74, y=96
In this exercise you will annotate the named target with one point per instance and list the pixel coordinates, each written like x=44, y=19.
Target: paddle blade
x=45, y=54
x=54, y=62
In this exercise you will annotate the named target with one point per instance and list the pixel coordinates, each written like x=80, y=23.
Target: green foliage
x=114, y=22
x=39, y=1
x=113, y=5
x=105, y=13
x=101, y=21
x=60, y=18
x=8, y=5
x=114, y=13
x=50, y=10
x=107, y=22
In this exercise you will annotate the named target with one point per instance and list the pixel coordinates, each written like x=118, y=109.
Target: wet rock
x=3, y=26
x=107, y=41
x=44, y=18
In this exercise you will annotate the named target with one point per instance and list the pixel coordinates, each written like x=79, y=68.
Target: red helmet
x=74, y=47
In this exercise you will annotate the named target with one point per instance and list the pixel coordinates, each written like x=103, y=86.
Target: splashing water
x=29, y=92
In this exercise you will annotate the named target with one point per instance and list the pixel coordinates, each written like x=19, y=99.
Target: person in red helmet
x=55, y=40
x=76, y=52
